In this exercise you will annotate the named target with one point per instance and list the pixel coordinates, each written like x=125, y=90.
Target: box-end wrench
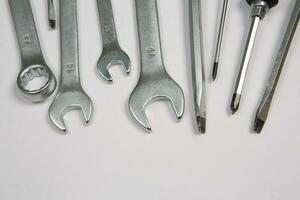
x=154, y=83
x=70, y=95
x=33, y=62
x=264, y=108
x=112, y=54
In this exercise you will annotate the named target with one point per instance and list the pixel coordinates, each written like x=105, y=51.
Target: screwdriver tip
x=215, y=71
x=201, y=121
x=235, y=103
x=52, y=23
x=258, y=125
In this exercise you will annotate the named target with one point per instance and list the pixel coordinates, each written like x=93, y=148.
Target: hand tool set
x=154, y=82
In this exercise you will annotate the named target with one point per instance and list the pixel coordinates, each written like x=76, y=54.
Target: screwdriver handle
x=271, y=3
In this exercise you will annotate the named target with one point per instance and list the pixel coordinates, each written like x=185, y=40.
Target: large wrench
x=154, y=83
x=112, y=54
x=70, y=95
x=33, y=62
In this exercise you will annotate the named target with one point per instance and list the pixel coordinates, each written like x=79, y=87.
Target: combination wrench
x=33, y=63
x=154, y=83
x=112, y=54
x=70, y=95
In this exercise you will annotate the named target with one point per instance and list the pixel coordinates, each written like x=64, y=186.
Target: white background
x=113, y=158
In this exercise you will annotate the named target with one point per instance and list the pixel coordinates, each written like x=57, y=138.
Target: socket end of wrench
x=65, y=102
x=112, y=58
x=235, y=103
x=44, y=89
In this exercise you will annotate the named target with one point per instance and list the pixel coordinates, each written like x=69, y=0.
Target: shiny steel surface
x=198, y=71
x=154, y=83
x=70, y=95
x=32, y=59
x=112, y=54
x=220, y=39
x=264, y=108
x=259, y=9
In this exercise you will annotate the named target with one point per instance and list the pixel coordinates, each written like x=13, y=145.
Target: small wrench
x=112, y=54
x=70, y=95
x=33, y=63
x=154, y=83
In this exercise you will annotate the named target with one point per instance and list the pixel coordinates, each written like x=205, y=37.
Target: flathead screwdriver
x=259, y=10
x=219, y=40
x=263, y=110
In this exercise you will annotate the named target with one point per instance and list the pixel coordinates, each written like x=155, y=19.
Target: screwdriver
x=219, y=40
x=263, y=110
x=51, y=14
x=259, y=10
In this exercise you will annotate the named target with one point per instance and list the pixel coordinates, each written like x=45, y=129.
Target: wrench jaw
x=45, y=89
x=110, y=58
x=149, y=91
x=67, y=101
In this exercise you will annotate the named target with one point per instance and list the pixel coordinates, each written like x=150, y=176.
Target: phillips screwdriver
x=219, y=40
x=265, y=104
x=51, y=14
x=259, y=10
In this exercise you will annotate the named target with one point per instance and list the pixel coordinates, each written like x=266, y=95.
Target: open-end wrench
x=112, y=54
x=34, y=66
x=154, y=83
x=70, y=95
x=264, y=108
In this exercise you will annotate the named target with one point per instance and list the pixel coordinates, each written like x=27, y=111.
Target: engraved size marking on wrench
x=151, y=51
x=70, y=67
x=27, y=38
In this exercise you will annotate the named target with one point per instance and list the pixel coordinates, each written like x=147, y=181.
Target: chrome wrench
x=33, y=63
x=112, y=54
x=154, y=83
x=264, y=108
x=70, y=95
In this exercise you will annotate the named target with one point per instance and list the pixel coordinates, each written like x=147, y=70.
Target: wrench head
x=154, y=88
x=66, y=101
x=110, y=57
x=45, y=86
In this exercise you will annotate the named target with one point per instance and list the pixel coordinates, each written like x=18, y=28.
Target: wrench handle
x=107, y=23
x=26, y=32
x=149, y=35
x=69, y=44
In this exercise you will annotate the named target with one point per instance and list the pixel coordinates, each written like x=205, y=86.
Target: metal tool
x=70, y=95
x=154, y=83
x=219, y=40
x=51, y=14
x=198, y=71
x=34, y=66
x=259, y=10
x=265, y=104
x=112, y=54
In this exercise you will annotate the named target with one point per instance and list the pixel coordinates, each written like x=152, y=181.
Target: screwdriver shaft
x=245, y=63
x=220, y=39
x=198, y=72
x=265, y=104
